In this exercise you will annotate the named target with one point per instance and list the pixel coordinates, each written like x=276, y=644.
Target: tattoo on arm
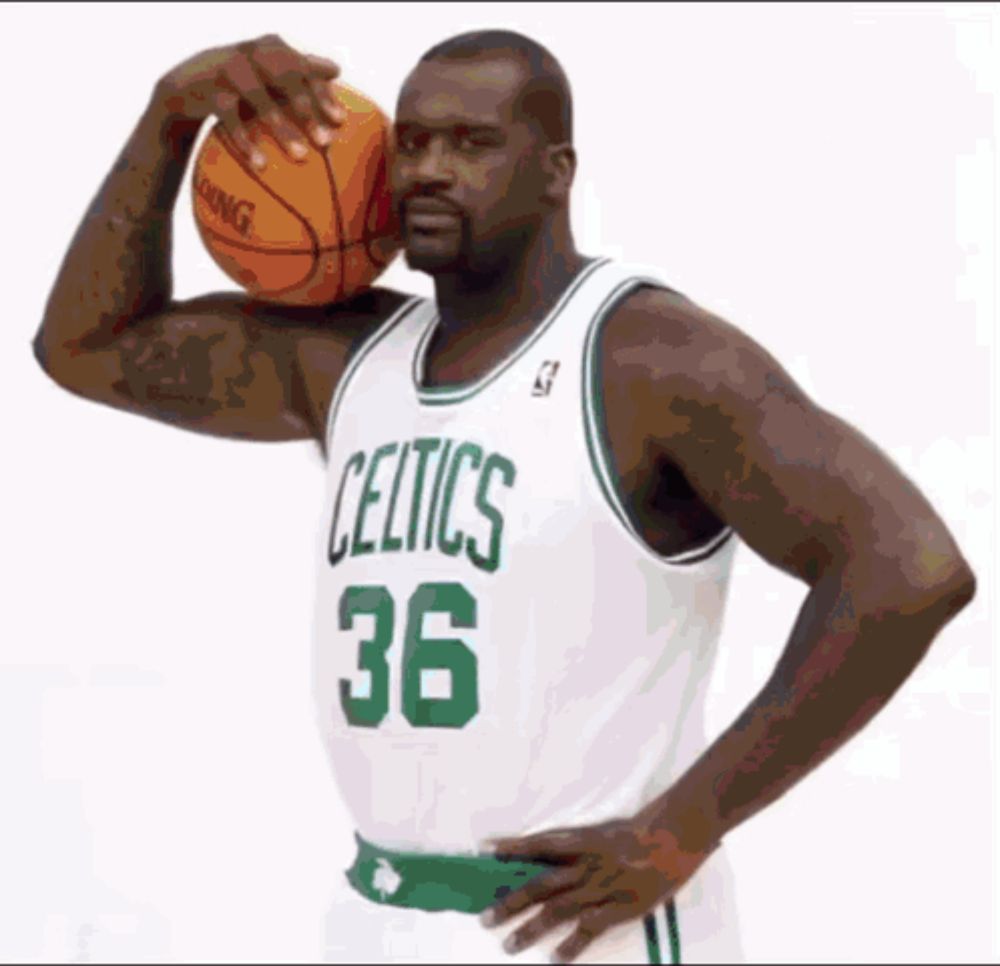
x=843, y=617
x=175, y=377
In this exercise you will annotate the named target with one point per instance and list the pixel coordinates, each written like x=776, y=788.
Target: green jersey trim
x=469, y=883
x=436, y=883
x=447, y=395
x=601, y=459
x=364, y=350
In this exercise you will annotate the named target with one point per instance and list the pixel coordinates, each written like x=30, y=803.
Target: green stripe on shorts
x=652, y=940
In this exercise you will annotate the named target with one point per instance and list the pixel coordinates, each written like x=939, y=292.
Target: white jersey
x=497, y=651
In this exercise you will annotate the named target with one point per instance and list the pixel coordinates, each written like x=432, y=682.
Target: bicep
x=206, y=366
x=774, y=470
x=805, y=489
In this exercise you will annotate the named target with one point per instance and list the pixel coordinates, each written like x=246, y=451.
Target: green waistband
x=460, y=883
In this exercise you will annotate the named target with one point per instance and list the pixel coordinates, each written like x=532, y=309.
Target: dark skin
x=705, y=427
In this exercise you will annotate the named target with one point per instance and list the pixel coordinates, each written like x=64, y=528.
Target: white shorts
x=702, y=929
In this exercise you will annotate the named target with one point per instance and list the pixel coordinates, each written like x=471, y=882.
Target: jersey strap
x=364, y=350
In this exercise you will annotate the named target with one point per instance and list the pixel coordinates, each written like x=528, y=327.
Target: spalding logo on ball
x=301, y=232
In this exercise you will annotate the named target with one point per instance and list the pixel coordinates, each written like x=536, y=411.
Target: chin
x=432, y=263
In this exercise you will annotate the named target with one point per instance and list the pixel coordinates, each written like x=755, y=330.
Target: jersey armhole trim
x=364, y=350
x=597, y=447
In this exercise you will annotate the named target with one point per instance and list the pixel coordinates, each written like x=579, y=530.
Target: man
x=534, y=484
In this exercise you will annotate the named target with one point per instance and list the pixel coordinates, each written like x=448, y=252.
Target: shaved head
x=482, y=135
x=544, y=100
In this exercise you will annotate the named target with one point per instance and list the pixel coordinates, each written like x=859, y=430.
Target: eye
x=408, y=143
x=474, y=142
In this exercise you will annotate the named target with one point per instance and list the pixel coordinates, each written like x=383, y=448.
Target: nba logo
x=544, y=379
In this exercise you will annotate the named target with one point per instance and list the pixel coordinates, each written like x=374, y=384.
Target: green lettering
x=335, y=556
x=389, y=542
x=424, y=446
x=368, y=496
x=493, y=462
x=442, y=462
x=453, y=545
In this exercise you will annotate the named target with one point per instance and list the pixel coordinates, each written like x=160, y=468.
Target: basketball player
x=536, y=481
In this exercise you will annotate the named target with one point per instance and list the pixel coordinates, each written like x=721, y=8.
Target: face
x=467, y=178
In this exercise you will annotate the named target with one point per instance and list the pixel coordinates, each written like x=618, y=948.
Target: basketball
x=301, y=232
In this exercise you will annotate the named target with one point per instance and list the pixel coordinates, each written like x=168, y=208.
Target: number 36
x=419, y=654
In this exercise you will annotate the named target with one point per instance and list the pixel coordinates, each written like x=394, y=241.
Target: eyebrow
x=464, y=126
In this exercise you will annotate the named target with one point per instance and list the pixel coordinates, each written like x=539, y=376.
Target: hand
x=604, y=875
x=264, y=80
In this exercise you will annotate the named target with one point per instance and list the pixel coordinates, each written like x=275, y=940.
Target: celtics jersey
x=497, y=650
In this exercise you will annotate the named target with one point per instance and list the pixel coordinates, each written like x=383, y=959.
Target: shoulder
x=344, y=322
x=318, y=342
x=322, y=335
x=660, y=342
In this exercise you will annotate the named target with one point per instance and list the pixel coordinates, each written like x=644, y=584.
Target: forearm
x=117, y=268
x=847, y=655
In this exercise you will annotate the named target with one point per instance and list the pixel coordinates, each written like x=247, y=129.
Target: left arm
x=816, y=499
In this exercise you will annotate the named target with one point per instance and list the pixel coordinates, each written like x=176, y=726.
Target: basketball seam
x=223, y=136
x=338, y=213
x=316, y=250
x=367, y=237
x=262, y=250
x=372, y=200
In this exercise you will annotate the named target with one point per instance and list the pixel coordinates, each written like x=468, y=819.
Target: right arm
x=223, y=364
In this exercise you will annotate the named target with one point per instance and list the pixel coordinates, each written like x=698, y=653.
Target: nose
x=432, y=166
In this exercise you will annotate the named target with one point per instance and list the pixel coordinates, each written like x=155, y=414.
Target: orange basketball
x=301, y=232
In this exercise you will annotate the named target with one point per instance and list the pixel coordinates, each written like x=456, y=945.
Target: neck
x=523, y=289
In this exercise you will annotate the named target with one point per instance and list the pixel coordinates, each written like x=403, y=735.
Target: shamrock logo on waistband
x=386, y=879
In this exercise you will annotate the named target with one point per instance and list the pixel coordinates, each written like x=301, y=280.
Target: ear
x=559, y=165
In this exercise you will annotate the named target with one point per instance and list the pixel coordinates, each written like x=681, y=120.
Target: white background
x=824, y=177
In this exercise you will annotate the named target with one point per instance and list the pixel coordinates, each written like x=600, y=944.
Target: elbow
x=960, y=593
x=947, y=588
x=46, y=355
x=38, y=351
x=44, y=359
x=53, y=360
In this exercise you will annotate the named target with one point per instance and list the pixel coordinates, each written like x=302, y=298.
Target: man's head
x=484, y=151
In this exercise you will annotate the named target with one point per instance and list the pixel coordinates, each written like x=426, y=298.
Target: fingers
x=241, y=74
x=555, y=912
x=290, y=74
x=225, y=105
x=323, y=90
x=289, y=93
x=538, y=889
x=593, y=923
x=322, y=66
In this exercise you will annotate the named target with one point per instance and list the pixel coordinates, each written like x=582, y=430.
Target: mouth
x=429, y=222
